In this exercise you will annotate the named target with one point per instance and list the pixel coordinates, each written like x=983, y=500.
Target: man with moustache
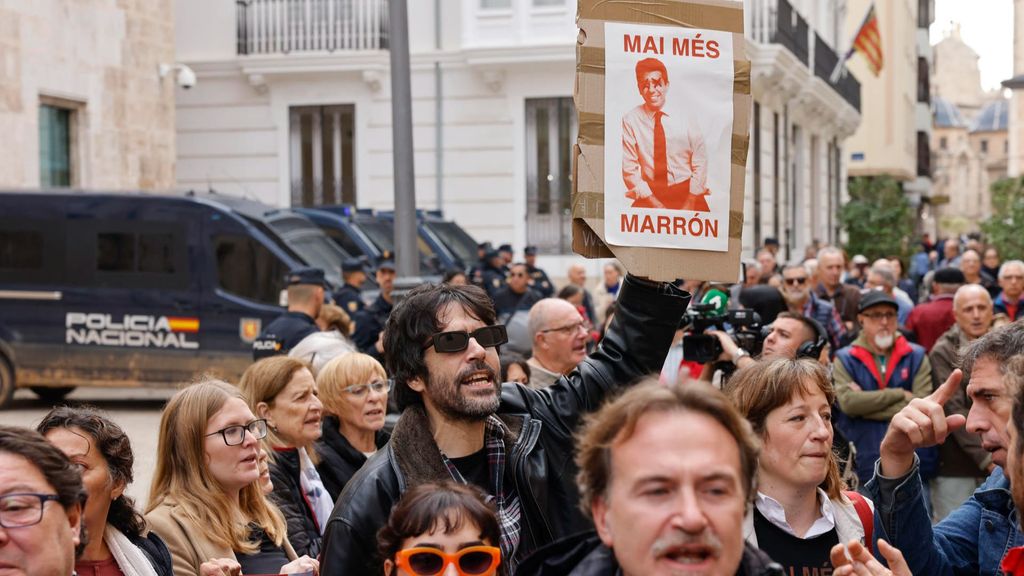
x=875, y=377
x=679, y=513
x=458, y=422
x=972, y=539
x=800, y=299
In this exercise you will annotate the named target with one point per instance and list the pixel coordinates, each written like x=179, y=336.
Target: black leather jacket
x=540, y=426
x=585, y=555
x=155, y=551
x=303, y=532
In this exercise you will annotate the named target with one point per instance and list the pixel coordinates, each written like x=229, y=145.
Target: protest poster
x=663, y=97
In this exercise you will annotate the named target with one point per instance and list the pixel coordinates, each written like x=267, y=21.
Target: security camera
x=185, y=77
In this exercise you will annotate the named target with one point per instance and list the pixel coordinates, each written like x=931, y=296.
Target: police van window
x=128, y=252
x=248, y=269
x=342, y=239
x=21, y=250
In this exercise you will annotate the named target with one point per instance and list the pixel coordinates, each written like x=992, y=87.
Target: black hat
x=491, y=254
x=352, y=265
x=484, y=246
x=505, y=248
x=386, y=265
x=530, y=251
x=314, y=276
x=876, y=298
x=771, y=241
x=949, y=275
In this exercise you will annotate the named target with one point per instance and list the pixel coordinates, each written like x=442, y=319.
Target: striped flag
x=868, y=42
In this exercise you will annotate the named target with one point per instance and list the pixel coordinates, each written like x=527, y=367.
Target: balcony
x=304, y=26
x=825, y=60
x=775, y=22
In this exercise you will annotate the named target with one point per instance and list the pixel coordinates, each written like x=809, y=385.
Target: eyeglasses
x=881, y=316
x=472, y=561
x=458, y=340
x=23, y=509
x=360, y=390
x=796, y=281
x=571, y=328
x=235, y=435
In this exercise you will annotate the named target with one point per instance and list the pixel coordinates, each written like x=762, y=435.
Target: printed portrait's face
x=653, y=87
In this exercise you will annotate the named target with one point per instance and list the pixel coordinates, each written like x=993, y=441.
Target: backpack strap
x=867, y=519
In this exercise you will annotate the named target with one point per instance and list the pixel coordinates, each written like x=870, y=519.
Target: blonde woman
x=282, y=391
x=354, y=389
x=205, y=501
x=801, y=509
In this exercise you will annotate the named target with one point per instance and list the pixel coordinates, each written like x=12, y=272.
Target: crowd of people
x=497, y=424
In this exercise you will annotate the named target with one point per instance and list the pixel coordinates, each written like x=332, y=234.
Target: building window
x=923, y=83
x=55, y=139
x=492, y=4
x=942, y=143
x=550, y=134
x=984, y=146
x=322, y=155
x=924, y=156
x=1006, y=146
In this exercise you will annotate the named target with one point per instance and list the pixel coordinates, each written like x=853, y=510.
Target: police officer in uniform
x=349, y=296
x=539, y=280
x=505, y=251
x=476, y=271
x=493, y=273
x=371, y=320
x=305, y=298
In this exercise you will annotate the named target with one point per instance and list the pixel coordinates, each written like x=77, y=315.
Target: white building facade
x=292, y=107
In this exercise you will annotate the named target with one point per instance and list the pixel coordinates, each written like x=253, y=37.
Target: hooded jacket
x=584, y=555
x=539, y=427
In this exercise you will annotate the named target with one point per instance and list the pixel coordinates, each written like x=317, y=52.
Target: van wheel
x=52, y=394
x=6, y=383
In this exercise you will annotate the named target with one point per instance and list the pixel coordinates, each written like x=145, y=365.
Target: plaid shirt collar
x=506, y=500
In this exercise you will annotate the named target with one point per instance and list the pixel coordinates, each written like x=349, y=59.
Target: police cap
x=314, y=276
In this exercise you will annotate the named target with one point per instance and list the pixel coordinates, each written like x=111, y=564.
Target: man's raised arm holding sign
x=972, y=539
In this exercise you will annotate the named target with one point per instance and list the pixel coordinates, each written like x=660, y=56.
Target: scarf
x=130, y=559
x=313, y=487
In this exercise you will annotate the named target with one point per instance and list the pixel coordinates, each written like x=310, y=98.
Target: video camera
x=743, y=326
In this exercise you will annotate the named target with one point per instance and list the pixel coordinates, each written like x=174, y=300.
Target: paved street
x=136, y=410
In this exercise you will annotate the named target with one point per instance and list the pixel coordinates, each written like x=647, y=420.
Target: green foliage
x=878, y=219
x=1004, y=228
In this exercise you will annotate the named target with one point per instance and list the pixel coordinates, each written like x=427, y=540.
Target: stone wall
x=100, y=58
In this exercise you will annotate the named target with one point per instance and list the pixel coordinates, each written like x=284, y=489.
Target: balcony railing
x=775, y=22
x=825, y=60
x=287, y=26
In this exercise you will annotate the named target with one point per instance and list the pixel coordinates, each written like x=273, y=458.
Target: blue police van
x=133, y=289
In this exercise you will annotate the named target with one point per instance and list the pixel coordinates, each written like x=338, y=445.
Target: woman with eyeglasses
x=440, y=529
x=354, y=390
x=282, y=391
x=206, y=502
x=119, y=541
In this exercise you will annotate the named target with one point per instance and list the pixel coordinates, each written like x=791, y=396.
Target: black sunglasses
x=458, y=340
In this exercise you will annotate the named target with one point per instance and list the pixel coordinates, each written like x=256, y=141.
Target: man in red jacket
x=930, y=320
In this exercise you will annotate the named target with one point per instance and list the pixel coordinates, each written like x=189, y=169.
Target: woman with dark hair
x=514, y=368
x=440, y=525
x=119, y=542
x=802, y=508
x=455, y=277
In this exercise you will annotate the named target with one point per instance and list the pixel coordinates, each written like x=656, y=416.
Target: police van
x=132, y=289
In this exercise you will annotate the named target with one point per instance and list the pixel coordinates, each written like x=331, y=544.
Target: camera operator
x=791, y=336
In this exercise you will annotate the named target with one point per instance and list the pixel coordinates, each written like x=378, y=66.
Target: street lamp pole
x=407, y=260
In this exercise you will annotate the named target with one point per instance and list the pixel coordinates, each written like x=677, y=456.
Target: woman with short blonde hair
x=354, y=389
x=205, y=501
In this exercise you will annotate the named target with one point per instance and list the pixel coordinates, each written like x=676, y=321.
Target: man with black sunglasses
x=800, y=299
x=460, y=423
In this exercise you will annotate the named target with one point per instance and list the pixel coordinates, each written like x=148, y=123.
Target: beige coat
x=187, y=542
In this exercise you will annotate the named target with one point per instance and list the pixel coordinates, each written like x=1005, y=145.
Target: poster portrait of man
x=664, y=161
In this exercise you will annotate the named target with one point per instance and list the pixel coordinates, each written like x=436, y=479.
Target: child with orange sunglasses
x=442, y=529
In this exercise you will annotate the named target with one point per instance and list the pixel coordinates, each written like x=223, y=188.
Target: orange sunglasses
x=472, y=561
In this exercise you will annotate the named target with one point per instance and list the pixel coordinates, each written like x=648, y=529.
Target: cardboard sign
x=663, y=96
